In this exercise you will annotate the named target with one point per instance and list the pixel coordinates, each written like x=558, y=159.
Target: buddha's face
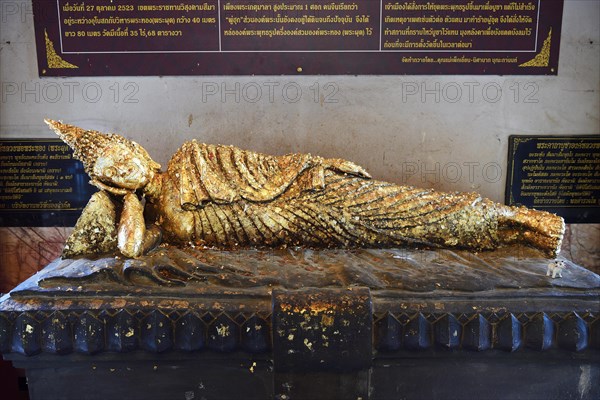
x=122, y=167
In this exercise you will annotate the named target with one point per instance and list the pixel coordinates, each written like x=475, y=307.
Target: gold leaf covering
x=225, y=197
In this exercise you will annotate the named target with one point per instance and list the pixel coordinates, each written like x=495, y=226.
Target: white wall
x=372, y=120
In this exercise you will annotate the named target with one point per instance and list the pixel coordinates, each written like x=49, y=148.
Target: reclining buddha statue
x=224, y=197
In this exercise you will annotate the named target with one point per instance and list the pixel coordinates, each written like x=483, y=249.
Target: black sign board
x=41, y=184
x=273, y=37
x=560, y=174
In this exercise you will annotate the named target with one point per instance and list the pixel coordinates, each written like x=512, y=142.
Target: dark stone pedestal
x=306, y=324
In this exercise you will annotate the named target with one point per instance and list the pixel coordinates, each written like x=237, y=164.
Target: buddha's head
x=114, y=164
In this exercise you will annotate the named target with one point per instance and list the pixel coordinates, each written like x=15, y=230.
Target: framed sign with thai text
x=560, y=174
x=41, y=184
x=272, y=37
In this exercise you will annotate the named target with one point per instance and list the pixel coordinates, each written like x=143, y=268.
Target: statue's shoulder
x=228, y=154
x=224, y=174
x=288, y=165
x=194, y=147
x=190, y=151
x=190, y=145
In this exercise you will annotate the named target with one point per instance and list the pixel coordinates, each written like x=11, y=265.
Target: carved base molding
x=125, y=329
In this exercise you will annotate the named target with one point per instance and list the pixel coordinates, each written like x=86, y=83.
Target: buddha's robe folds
x=221, y=196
